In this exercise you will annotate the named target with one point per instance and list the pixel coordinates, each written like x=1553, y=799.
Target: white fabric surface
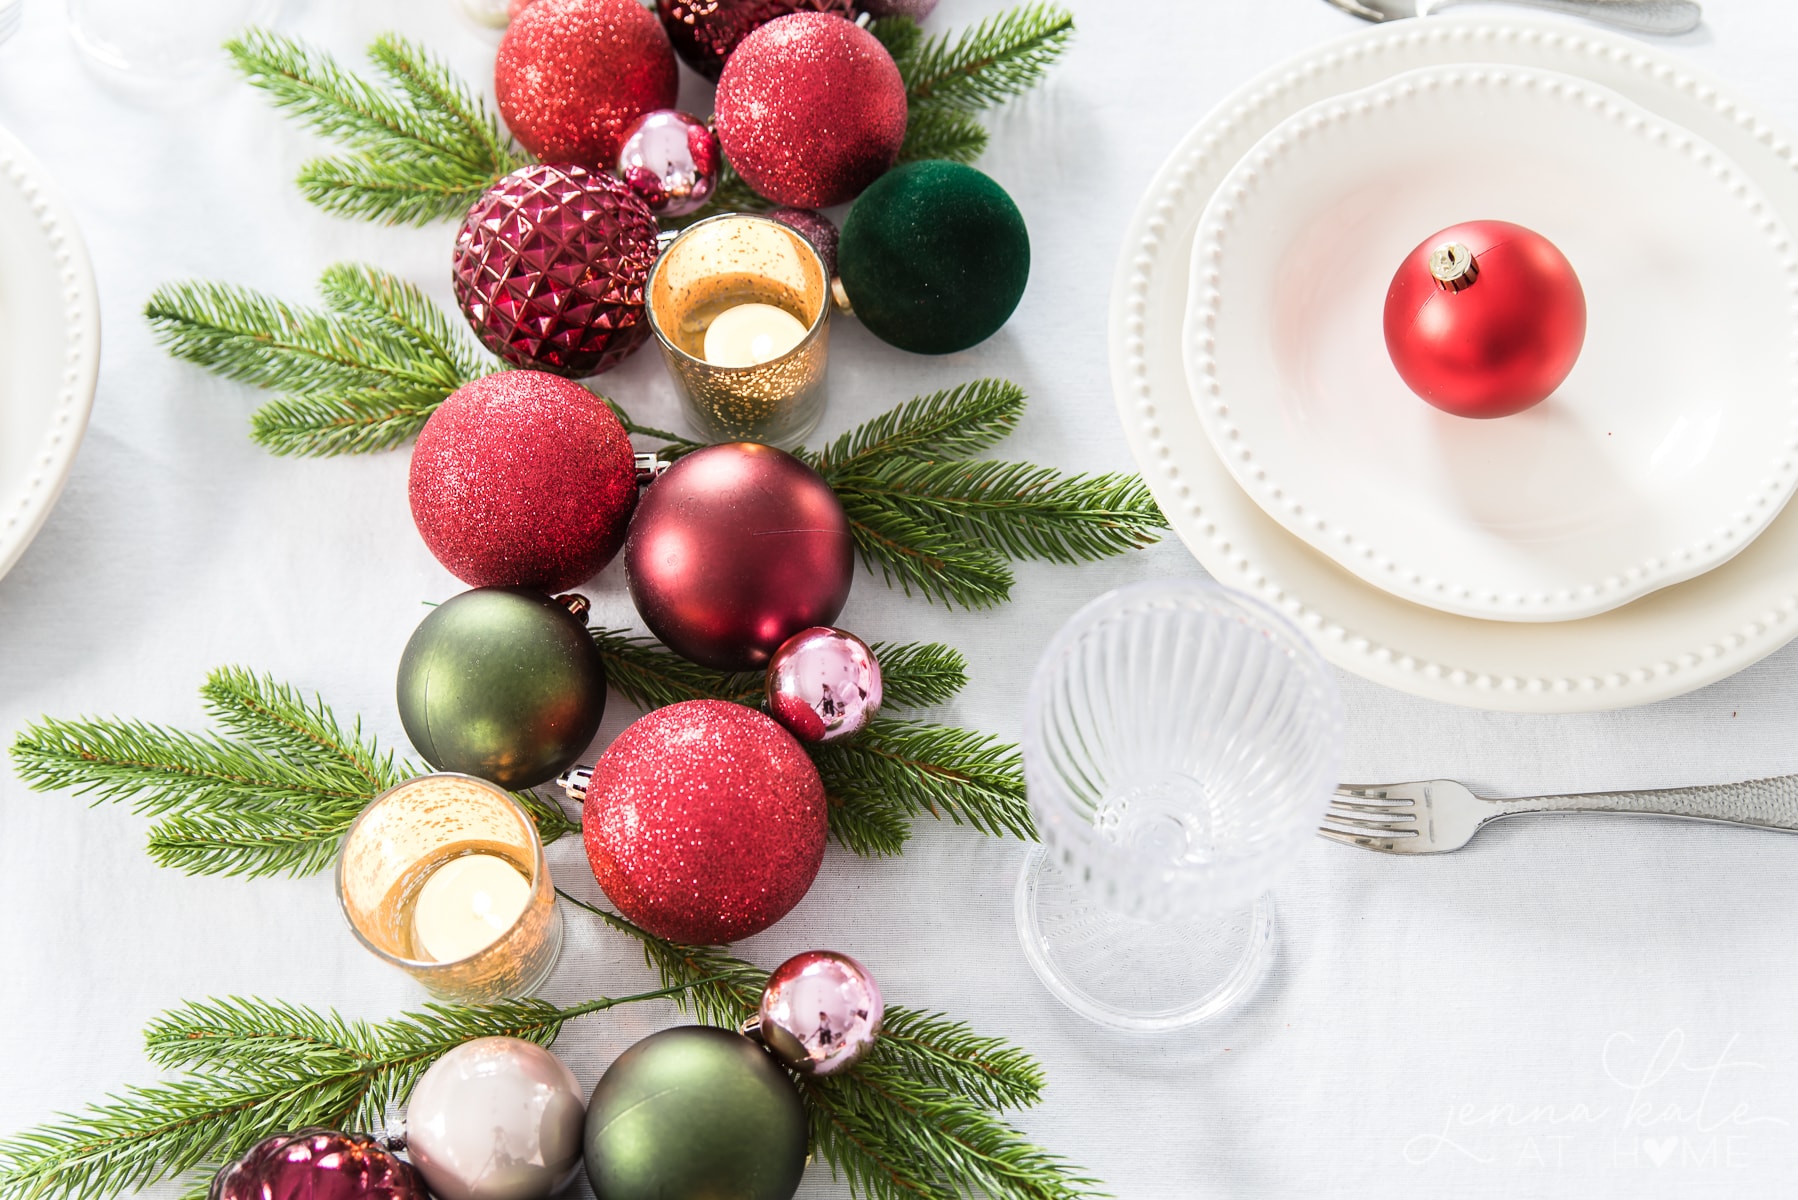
x=1483, y=1024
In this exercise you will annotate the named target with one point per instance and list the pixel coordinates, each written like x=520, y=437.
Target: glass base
x=1134, y=974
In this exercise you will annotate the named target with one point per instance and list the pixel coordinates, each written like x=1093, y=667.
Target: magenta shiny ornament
x=549, y=268
x=318, y=1164
x=733, y=550
x=821, y=1012
x=816, y=228
x=670, y=159
x=824, y=684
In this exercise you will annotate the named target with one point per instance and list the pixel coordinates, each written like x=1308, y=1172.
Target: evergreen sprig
x=421, y=149
x=920, y=1117
x=943, y=133
x=253, y=1068
x=273, y=798
x=988, y=63
x=362, y=374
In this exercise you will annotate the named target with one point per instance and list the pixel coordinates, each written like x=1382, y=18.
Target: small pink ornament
x=821, y=1012
x=670, y=159
x=824, y=684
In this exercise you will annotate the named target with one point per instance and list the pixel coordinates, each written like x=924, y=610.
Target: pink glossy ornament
x=318, y=1164
x=821, y=1012
x=824, y=684
x=1485, y=319
x=549, y=268
x=670, y=159
x=733, y=550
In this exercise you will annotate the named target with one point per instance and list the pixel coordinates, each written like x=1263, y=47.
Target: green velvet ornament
x=934, y=257
x=695, y=1113
x=502, y=683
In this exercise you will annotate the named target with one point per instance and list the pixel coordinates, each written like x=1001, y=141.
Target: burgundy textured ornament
x=318, y=1164
x=523, y=479
x=704, y=32
x=550, y=265
x=704, y=822
x=821, y=1012
x=811, y=110
x=670, y=159
x=817, y=229
x=824, y=685
x=734, y=550
x=572, y=75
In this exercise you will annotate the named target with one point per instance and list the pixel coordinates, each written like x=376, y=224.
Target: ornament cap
x=1453, y=267
x=575, y=781
x=651, y=466
x=840, y=294
x=577, y=605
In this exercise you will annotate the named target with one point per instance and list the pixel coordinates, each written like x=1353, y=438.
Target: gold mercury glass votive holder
x=720, y=263
x=411, y=833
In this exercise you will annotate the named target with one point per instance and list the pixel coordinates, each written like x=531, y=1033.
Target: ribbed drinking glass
x=1180, y=743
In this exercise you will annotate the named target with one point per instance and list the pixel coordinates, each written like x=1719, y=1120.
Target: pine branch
x=988, y=63
x=945, y=133
x=910, y=554
x=363, y=375
x=919, y=674
x=676, y=445
x=954, y=423
x=255, y=1069
x=715, y=987
x=275, y=799
x=934, y=1049
x=899, y=34
x=906, y=769
x=425, y=150
x=1014, y=509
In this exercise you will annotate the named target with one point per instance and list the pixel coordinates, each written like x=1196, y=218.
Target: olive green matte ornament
x=502, y=683
x=934, y=257
x=695, y=1113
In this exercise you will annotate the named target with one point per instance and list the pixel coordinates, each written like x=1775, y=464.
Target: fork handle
x=1764, y=803
x=1641, y=16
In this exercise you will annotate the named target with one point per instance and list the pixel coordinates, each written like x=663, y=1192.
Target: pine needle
x=908, y=769
x=422, y=151
x=943, y=133
x=953, y=423
x=988, y=63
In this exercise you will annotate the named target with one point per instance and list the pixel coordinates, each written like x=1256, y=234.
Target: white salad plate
x=1672, y=444
x=49, y=347
x=1671, y=641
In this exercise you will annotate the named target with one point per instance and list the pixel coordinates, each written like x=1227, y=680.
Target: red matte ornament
x=1485, y=319
x=811, y=110
x=572, y=75
x=705, y=822
x=733, y=550
x=522, y=479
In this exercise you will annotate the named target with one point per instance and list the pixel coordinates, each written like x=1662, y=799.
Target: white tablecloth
x=1568, y=1007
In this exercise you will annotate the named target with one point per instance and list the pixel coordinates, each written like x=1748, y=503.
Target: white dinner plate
x=1672, y=444
x=1670, y=641
x=49, y=346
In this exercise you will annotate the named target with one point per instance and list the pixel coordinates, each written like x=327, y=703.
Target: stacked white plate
x=49, y=346
x=1625, y=541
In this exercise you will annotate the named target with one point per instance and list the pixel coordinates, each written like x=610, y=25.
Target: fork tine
x=1399, y=809
x=1360, y=791
x=1390, y=828
x=1365, y=843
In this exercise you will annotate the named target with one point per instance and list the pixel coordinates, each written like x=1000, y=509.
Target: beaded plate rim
x=77, y=350
x=1657, y=672
x=1289, y=502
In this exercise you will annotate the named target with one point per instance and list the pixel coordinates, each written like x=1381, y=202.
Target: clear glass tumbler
x=1180, y=744
x=170, y=46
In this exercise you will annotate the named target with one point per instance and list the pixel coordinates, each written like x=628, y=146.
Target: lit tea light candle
x=443, y=876
x=466, y=905
x=751, y=334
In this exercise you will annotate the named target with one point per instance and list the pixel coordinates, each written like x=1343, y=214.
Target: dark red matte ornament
x=1485, y=319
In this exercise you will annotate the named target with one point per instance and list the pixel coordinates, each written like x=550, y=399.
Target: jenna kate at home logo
x=1672, y=1103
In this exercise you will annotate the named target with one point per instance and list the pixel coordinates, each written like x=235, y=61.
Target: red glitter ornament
x=318, y=1164
x=523, y=479
x=704, y=32
x=811, y=110
x=705, y=822
x=734, y=550
x=1485, y=319
x=550, y=266
x=572, y=75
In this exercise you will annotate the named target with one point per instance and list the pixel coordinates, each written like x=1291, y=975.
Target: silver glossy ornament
x=671, y=160
x=824, y=684
x=497, y=1118
x=821, y=1012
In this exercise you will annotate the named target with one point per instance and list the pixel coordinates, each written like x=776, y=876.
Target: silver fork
x=1439, y=815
